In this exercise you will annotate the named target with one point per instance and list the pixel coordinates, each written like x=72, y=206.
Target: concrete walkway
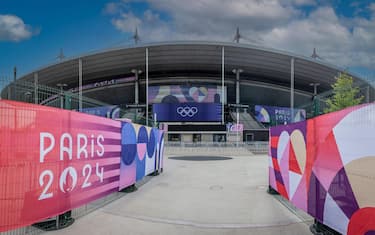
x=198, y=197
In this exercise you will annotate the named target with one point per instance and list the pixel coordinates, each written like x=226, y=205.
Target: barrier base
x=155, y=173
x=64, y=220
x=272, y=191
x=320, y=229
x=129, y=189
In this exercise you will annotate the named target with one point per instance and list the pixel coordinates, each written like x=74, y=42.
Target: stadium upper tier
x=195, y=63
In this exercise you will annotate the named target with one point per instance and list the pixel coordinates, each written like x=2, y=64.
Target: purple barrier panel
x=128, y=155
x=325, y=167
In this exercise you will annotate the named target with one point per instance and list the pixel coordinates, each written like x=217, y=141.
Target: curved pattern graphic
x=291, y=156
x=142, y=143
x=362, y=222
x=161, y=150
x=151, y=144
x=265, y=116
x=198, y=94
x=128, y=144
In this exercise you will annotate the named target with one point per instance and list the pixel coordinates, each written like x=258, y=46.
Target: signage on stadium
x=187, y=112
x=278, y=115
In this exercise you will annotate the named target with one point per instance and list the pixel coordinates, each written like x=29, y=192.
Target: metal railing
x=253, y=146
x=30, y=92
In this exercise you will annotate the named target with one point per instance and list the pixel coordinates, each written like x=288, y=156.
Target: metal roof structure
x=178, y=61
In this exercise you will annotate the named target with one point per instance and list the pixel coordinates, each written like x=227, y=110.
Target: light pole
x=136, y=72
x=315, y=85
x=61, y=86
x=237, y=72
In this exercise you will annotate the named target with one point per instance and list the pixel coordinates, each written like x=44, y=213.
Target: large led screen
x=185, y=94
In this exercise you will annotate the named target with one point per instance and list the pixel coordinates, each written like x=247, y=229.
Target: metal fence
x=253, y=146
x=25, y=91
x=30, y=92
x=318, y=102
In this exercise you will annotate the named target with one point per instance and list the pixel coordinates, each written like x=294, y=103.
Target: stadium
x=199, y=89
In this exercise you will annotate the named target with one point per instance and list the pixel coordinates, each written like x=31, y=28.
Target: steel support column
x=222, y=85
x=292, y=87
x=36, y=101
x=146, y=86
x=80, y=85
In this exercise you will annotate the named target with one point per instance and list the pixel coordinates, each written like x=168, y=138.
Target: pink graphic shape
x=141, y=150
x=284, y=167
x=328, y=161
x=294, y=180
x=300, y=196
x=127, y=175
x=282, y=144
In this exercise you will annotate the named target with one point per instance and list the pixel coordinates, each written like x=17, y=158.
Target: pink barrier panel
x=54, y=160
x=325, y=166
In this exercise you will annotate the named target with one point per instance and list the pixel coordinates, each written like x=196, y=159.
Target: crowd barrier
x=53, y=160
x=325, y=166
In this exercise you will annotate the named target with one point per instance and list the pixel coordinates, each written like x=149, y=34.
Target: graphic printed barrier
x=325, y=166
x=53, y=160
x=141, y=153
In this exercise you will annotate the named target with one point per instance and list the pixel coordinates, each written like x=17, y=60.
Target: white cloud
x=321, y=29
x=111, y=8
x=271, y=23
x=302, y=2
x=372, y=7
x=260, y=14
x=127, y=22
x=205, y=19
x=12, y=28
x=335, y=42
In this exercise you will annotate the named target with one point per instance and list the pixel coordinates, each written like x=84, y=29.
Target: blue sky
x=32, y=32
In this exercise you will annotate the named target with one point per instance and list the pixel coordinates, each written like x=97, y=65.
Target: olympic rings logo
x=187, y=111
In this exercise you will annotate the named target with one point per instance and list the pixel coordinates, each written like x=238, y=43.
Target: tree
x=344, y=94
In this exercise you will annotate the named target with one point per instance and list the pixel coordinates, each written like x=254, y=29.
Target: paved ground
x=198, y=197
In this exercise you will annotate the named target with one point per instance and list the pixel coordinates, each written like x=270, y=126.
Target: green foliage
x=344, y=94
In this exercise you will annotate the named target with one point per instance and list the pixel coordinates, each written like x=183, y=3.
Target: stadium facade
x=197, y=88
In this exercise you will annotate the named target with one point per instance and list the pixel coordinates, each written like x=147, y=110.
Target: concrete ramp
x=198, y=197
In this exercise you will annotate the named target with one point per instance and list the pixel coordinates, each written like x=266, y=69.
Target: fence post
x=36, y=95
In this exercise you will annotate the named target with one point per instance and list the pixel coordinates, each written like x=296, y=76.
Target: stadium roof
x=193, y=58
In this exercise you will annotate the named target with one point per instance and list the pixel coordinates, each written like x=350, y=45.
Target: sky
x=33, y=32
